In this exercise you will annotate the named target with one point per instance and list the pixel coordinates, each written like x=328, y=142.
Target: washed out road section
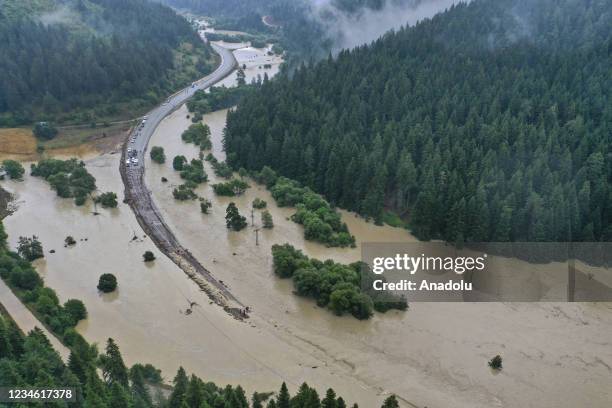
x=140, y=200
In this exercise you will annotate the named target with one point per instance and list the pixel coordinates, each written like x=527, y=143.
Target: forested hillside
x=490, y=122
x=60, y=55
x=307, y=29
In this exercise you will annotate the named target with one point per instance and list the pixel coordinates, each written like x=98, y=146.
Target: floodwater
x=435, y=355
x=432, y=355
x=254, y=59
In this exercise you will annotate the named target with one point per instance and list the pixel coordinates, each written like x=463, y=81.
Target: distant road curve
x=140, y=200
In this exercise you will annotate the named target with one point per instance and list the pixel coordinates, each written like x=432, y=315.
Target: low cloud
x=348, y=30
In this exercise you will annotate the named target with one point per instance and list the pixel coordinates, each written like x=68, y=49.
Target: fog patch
x=62, y=15
x=348, y=30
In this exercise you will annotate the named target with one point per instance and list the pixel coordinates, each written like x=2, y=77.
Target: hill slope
x=86, y=56
x=490, y=122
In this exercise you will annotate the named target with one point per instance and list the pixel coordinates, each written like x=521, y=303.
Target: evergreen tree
x=283, y=398
x=233, y=219
x=391, y=402
x=178, y=396
x=113, y=367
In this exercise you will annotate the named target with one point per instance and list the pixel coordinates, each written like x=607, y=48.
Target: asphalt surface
x=142, y=135
x=141, y=201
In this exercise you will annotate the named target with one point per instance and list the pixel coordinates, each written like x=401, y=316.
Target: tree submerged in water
x=30, y=248
x=233, y=219
x=148, y=256
x=496, y=363
x=107, y=283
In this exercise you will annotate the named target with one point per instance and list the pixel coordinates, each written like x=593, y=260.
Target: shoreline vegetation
x=30, y=360
x=69, y=178
x=332, y=285
x=321, y=222
x=449, y=122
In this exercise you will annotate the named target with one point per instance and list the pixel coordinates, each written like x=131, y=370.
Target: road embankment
x=148, y=215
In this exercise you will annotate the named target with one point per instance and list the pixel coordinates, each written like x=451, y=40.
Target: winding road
x=141, y=201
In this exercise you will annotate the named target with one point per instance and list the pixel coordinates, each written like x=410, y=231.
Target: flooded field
x=75, y=141
x=435, y=355
x=254, y=59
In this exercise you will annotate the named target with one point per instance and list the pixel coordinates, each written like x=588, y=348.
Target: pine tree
x=391, y=402
x=330, y=399
x=181, y=382
x=119, y=398
x=113, y=367
x=283, y=398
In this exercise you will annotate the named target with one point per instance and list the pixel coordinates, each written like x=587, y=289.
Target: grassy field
x=20, y=143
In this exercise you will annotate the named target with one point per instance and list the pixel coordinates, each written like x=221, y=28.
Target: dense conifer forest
x=490, y=122
x=58, y=56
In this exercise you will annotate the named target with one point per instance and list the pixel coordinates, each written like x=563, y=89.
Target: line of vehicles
x=132, y=154
x=132, y=157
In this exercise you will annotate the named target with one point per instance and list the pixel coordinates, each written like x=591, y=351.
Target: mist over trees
x=470, y=128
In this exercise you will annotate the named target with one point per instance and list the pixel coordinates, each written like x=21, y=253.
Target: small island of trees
x=158, y=155
x=13, y=169
x=148, y=256
x=68, y=178
x=332, y=285
x=198, y=134
x=231, y=188
x=107, y=200
x=30, y=248
x=233, y=219
x=107, y=283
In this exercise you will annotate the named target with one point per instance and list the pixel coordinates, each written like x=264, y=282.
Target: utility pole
x=252, y=217
x=257, y=237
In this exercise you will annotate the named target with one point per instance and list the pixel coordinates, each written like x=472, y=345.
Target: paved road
x=141, y=201
x=141, y=136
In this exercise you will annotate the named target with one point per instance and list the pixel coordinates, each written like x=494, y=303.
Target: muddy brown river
x=434, y=355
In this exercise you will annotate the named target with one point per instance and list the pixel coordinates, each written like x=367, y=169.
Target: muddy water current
x=435, y=355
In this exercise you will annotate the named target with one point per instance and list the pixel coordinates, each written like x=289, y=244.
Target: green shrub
x=266, y=220
x=184, y=192
x=496, y=362
x=107, y=200
x=259, y=204
x=233, y=219
x=13, y=169
x=68, y=178
x=198, y=134
x=194, y=172
x=107, y=283
x=205, y=206
x=30, y=248
x=332, y=285
x=231, y=188
x=158, y=155
x=178, y=162
x=44, y=130
x=148, y=256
